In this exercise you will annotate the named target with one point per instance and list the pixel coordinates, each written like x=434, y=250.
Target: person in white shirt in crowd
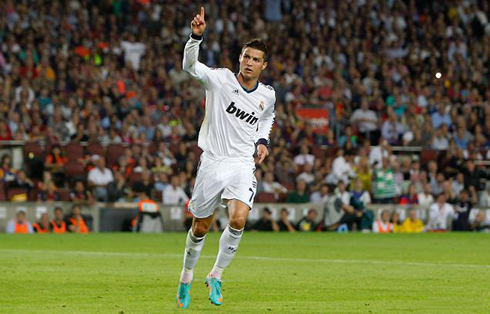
x=377, y=153
x=304, y=156
x=343, y=195
x=307, y=174
x=392, y=129
x=383, y=225
x=439, y=141
x=99, y=178
x=439, y=214
x=271, y=186
x=485, y=197
x=458, y=184
x=174, y=194
x=425, y=198
x=321, y=196
x=366, y=121
x=133, y=51
x=342, y=169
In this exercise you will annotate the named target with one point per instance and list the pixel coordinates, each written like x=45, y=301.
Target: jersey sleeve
x=265, y=123
x=209, y=78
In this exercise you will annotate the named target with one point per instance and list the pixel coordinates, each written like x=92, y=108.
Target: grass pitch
x=272, y=273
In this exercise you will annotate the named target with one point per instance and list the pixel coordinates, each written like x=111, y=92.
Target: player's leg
x=193, y=247
x=205, y=199
x=228, y=245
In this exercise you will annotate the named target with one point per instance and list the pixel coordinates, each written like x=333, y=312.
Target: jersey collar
x=246, y=89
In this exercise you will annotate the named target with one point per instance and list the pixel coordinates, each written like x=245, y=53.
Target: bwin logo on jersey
x=242, y=115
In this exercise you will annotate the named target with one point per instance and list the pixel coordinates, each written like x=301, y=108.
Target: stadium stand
x=104, y=78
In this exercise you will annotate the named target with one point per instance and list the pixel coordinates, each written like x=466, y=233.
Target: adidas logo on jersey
x=235, y=91
x=242, y=115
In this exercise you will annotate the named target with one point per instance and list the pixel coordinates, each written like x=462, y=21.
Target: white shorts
x=222, y=179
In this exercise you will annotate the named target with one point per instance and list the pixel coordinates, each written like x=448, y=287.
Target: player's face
x=252, y=63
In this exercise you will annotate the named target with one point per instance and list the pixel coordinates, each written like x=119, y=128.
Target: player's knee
x=238, y=223
x=200, y=230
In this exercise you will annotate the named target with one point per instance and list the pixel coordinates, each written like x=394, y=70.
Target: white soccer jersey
x=235, y=119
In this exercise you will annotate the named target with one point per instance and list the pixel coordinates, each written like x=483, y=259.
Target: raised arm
x=190, y=64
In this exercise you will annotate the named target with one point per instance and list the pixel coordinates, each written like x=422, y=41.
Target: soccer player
x=238, y=119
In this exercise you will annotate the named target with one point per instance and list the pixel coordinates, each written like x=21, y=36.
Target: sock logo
x=242, y=115
x=232, y=249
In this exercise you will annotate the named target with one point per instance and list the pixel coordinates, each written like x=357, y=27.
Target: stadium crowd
x=109, y=72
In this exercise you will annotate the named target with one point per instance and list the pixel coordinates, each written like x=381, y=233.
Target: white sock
x=193, y=247
x=228, y=245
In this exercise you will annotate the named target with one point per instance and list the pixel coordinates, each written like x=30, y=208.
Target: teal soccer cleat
x=183, y=295
x=214, y=286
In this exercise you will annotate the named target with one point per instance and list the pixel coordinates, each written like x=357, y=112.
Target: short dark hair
x=259, y=44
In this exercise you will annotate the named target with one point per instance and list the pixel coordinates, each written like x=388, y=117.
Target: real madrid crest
x=262, y=105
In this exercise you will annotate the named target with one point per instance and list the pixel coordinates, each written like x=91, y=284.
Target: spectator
x=411, y=198
x=80, y=195
x=43, y=225
x=307, y=175
x=99, y=178
x=47, y=189
x=55, y=162
x=76, y=223
x=271, y=186
x=458, y=184
x=441, y=116
x=174, y=194
x=366, y=122
x=392, y=130
x=485, y=197
x=58, y=225
x=21, y=181
x=308, y=223
x=321, y=195
x=472, y=175
x=359, y=199
x=480, y=224
x=300, y=195
x=265, y=223
x=284, y=223
x=439, y=215
x=363, y=173
x=397, y=224
x=463, y=208
x=304, y=157
x=19, y=225
x=383, y=225
x=412, y=224
x=425, y=198
x=342, y=169
x=7, y=174
x=384, y=183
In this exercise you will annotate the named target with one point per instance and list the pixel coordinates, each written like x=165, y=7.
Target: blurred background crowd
x=109, y=73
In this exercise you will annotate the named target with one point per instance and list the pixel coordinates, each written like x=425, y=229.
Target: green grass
x=272, y=273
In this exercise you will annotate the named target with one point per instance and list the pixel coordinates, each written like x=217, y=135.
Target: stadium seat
x=427, y=155
x=34, y=148
x=74, y=168
x=74, y=151
x=16, y=194
x=264, y=197
x=134, y=177
x=96, y=149
x=64, y=194
x=114, y=151
x=3, y=196
x=319, y=152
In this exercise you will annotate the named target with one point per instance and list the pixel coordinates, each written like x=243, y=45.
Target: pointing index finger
x=202, y=13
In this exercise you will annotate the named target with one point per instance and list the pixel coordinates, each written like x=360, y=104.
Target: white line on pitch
x=262, y=258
